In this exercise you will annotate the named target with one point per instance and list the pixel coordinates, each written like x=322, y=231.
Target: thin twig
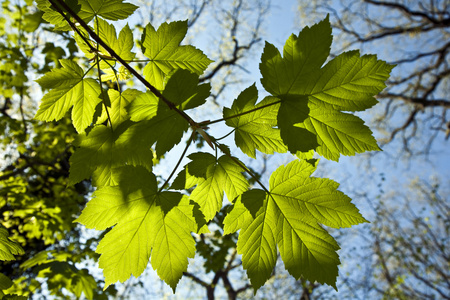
x=179, y=161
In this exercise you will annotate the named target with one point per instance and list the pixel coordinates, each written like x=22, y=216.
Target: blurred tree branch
x=407, y=246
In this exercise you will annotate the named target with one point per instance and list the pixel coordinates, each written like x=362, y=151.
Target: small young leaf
x=116, y=75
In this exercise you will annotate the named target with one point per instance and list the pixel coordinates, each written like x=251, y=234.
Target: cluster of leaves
x=121, y=132
x=37, y=207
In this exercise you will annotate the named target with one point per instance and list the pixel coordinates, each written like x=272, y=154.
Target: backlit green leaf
x=303, y=55
x=144, y=219
x=54, y=17
x=119, y=101
x=163, y=48
x=338, y=133
x=254, y=126
x=122, y=46
x=109, y=9
x=70, y=89
x=349, y=82
x=289, y=216
x=312, y=98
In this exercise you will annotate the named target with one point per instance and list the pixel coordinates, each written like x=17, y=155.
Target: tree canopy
x=103, y=137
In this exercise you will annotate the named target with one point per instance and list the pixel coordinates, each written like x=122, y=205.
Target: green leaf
x=349, y=82
x=8, y=248
x=244, y=210
x=116, y=75
x=145, y=107
x=173, y=241
x=145, y=221
x=109, y=9
x=122, y=45
x=254, y=129
x=315, y=198
x=257, y=239
x=83, y=282
x=289, y=217
x=182, y=88
x=303, y=55
x=338, y=133
x=294, y=110
x=213, y=178
x=312, y=97
x=69, y=75
x=102, y=151
x=70, y=89
x=165, y=53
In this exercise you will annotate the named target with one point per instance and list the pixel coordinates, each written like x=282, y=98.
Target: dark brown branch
x=441, y=51
x=407, y=123
x=422, y=102
x=236, y=55
x=196, y=279
x=409, y=12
